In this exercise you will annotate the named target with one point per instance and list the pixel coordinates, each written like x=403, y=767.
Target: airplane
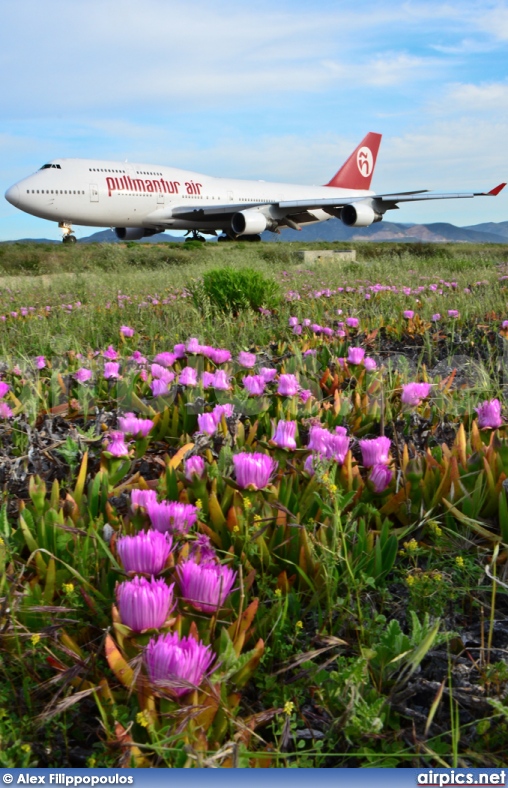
x=139, y=200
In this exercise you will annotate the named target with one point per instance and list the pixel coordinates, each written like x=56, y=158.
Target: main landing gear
x=194, y=235
x=248, y=238
x=68, y=233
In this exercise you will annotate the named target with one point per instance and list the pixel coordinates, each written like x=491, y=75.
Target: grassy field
x=351, y=608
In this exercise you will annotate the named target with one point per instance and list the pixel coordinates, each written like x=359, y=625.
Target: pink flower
x=284, y=435
x=126, y=331
x=254, y=384
x=159, y=387
x=111, y=370
x=181, y=663
x=504, y=324
x=137, y=357
x=188, y=377
x=83, y=374
x=268, y=374
x=453, y=313
x=247, y=360
x=142, y=498
x=253, y=471
x=305, y=394
x=207, y=423
x=375, y=451
x=4, y=388
x=436, y=318
x=146, y=552
x=205, y=586
x=5, y=411
x=288, y=386
x=409, y=314
x=117, y=446
x=166, y=359
x=110, y=353
x=380, y=476
x=179, y=351
x=194, y=468
x=369, y=364
x=207, y=379
x=193, y=345
x=219, y=355
x=489, y=414
x=220, y=380
x=172, y=516
x=144, y=604
x=355, y=355
x=414, y=393
x=352, y=322
x=292, y=322
x=40, y=362
x=131, y=425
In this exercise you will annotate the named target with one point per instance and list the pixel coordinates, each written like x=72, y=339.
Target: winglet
x=357, y=172
x=495, y=191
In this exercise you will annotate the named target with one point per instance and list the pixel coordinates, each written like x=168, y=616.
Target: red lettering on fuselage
x=140, y=185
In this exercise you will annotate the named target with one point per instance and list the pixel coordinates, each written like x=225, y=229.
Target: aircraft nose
x=12, y=195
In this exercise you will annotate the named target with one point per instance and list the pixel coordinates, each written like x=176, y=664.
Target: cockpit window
x=45, y=166
x=51, y=166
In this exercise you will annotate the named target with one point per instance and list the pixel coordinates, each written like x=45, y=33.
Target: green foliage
x=229, y=290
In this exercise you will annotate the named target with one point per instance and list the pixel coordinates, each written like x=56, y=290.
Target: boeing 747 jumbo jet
x=139, y=200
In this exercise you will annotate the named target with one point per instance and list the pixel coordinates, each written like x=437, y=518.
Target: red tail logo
x=357, y=172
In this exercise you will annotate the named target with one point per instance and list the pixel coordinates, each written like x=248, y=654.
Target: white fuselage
x=112, y=194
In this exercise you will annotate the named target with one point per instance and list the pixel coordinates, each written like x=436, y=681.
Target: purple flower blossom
x=144, y=604
x=489, y=414
x=111, y=370
x=369, y=364
x=332, y=446
x=207, y=423
x=409, y=314
x=188, y=377
x=4, y=388
x=352, y=322
x=159, y=387
x=166, y=358
x=131, y=425
x=202, y=550
x=83, y=374
x=137, y=357
x=146, y=552
x=288, y=386
x=207, y=379
x=5, y=411
x=375, y=451
x=305, y=394
x=179, y=351
x=126, y=331
x=308, y=465
x=254, y=384
x=292, y=322
x=297, y=330
x=268, y=374
x=180, y=662
x=40, y=362
x=142, y=498
x=161, y=372
x=380, y=476
x=247, y=360
x=253, y=471
x=172, y=516
x=223, y=410
x=355, y=355
x=414, y=393
x=193, y=346
x=117, y=446
x=221, y=380
x=110, y=353
x=194, y=468
x=205, y=586
x=219, y=355
x=453, y=313
x=284, y=435
x=436, y=318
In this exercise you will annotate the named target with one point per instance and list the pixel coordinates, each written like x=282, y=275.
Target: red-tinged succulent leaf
x=118, y=664
x=131, y=754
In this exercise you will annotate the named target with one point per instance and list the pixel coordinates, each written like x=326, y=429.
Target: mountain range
x=335, y=230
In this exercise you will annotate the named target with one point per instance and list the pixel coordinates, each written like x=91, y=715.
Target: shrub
x=230, y=290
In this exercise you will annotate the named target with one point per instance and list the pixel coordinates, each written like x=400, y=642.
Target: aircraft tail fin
x=358, y=170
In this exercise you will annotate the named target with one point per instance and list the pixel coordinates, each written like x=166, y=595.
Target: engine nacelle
x=133, y=233
x=250, y=222
x=359, y=215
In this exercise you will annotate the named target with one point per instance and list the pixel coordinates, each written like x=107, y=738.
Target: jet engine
x=359, y=215
x=250, y=222
x=133, y=233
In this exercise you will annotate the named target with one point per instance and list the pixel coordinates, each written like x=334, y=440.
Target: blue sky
x=273, y=90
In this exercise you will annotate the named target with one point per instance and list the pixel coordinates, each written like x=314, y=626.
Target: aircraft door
x=231, y=197
x=94, y=192
x=160, y=200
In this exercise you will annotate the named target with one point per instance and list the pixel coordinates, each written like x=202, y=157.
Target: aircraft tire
x=69, y=239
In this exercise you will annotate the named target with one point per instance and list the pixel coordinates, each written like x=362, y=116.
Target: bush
x=231, y=290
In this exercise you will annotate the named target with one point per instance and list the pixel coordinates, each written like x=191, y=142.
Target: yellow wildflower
x=35, y=638
x=459, y=561
x=333, y=488
x=411, y=546
x=247, y=503
x=434, y=527
x=199, y=504
x=278, y=592
x=257, y=518
x=299, y=625
x=236, y=529
x=143, y=719
x=410, y=580
x=68, y=588
x=288, y=707
x=26, y=748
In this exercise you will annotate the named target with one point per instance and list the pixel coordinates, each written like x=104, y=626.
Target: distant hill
x=334, y=230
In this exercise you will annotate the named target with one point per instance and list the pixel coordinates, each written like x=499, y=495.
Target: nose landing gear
x=68, y=233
